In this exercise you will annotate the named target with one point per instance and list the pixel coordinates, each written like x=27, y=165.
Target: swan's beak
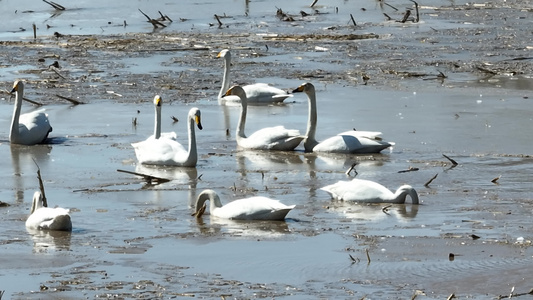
x=158, y=101
x=299, y=89
x=198, y=122
x=228, y=92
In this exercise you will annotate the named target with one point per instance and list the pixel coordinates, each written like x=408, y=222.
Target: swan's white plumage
x=360, y=190
x=253, y=208
x=30, y=128
x=46, y=218
x=256, y=93
x=270, y=138
x=166, y=151
x=158, y=102
x=346, y=142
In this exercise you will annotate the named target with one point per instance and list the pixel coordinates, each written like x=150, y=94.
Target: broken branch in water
x=515, y=295
x=367, y=255
x=154, y=22
x=495, y=180
x=417, y=19
x=406, y=16
x=385, y=209
x=352, y=168
x=55, y=5
x=148, y=178
x=454, y=163
x=41, y=185
x=354, y=260
x=410, y=169
x=174, y=119
x=429, y=181
x=353, y=20
x=200, y=212
x=164, y=17
x=218, y=20
x=314, y=2
x=75, y=102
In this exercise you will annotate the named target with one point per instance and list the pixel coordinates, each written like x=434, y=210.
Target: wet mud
x=457, y=83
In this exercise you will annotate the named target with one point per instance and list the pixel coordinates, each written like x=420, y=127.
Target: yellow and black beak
x=299, y=89
x=158, y=101
x=229, y=92
x=198, y=121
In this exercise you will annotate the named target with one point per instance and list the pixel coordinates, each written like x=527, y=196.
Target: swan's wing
x=160, y=152
x=254, y=208
x=273, y=138
x=34, y=127
x=50, y=219
x=262, y=92
x=350, y=143
x=359, y=190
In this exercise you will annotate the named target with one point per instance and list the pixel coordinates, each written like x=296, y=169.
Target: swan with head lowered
x=256, y=93
x=30, y=128
x=269, y=138
x=253, y=208
x=366, y=191
x=46, y=218
x=166, y=151
x=352, y=141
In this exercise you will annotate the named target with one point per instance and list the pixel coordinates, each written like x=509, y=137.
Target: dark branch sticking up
x=148, y=178
x=55, y=5
x=41, y=185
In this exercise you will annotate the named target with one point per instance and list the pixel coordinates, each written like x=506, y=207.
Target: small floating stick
x=495, y=180
x=55, y=5
x=451, y=160
x=429, y=181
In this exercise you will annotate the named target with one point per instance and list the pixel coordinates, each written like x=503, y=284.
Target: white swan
x=256, y=93
x=253, y=208
x=158, y=102
x=30, y=128
x=360, y=190
x=346, y=142
x=164, y=151
x=47, y=218
x=269, y=138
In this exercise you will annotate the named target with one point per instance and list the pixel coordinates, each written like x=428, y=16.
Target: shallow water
x=135, y=240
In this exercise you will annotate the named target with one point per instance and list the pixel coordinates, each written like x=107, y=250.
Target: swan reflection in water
x=242, y=228
x=45, y=241
x=23, y=159
x=375, y=212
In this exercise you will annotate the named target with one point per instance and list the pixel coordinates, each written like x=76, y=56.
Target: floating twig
x=451, y=160
x=406, y=16
x=353, y=20
x=452, y=296
x=174, y=119
x=354, y=260
x=495, y=180
x=385, y=209
x=218, y=20
x=516, y=295
x=314, y=2
x=148, y=178
x=390, y=5
x=154, y=22
x=34, y=30
x=367, y=255
x=429, y=181
x=352, y=168
x=417, y=19
x=55, y=5
x=75, y=102
x=200, y=212
x=41, y=185
x=164, y=17
x=410, y=169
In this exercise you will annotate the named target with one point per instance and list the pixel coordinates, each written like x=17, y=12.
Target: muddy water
x=134, y=240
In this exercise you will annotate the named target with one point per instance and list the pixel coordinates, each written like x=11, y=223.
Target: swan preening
x=256, y=93
x=253, y=208
x=167, y=151
x=46, y=218
x=360, y=190
x=30, y=128
x=346, y=142
x=270, y=138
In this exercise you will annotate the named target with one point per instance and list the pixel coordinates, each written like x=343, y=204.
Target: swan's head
x=206, y=195
x=158, y=101
x=408, y=190
x=305, y=88
x=236, y=90
x=196, y=115
x=224, y=53
x=17, y=86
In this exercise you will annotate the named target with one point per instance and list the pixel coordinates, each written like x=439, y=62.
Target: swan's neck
x=402, y=193
x=213, y=199
x=310, y=142
x=14, y=133
x=225, y=79
x=36, y=203
x=242, y=121
x=215, y=202
x=192, y=155
x=157, y=126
